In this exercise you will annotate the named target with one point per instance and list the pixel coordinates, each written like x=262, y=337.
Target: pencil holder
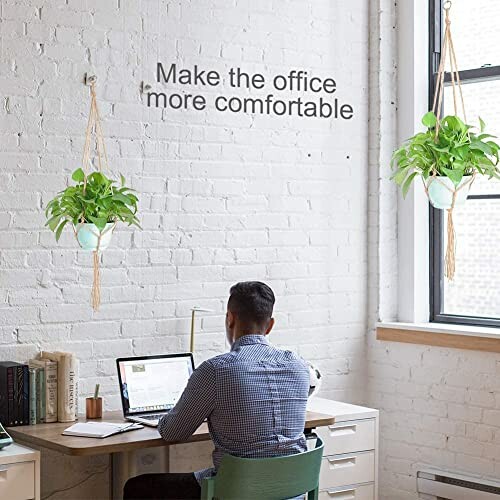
x=93, y=408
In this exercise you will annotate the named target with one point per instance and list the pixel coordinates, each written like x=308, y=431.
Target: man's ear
x=269, y=326
x=230, y=318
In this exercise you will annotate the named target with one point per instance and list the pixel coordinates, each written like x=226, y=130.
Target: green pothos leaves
x=96, y=199
x=454, y=152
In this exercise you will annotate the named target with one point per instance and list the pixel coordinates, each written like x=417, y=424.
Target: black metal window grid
x=436, y=224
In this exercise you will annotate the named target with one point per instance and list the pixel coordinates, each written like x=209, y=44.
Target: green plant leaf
x=100, y=222
x=78, y=175
x=60, y=228
x=429, y=120
x=482, y=125
x=400, y=176
x=407, y=183
x=481, y=146
x=454, y=175
x=123, y=198
x=53, y=222
x=485, y=136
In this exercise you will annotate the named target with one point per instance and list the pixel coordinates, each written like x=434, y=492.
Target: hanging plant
x=449, y=154
x=95, y=204
x=448, y=162
x=93, y=207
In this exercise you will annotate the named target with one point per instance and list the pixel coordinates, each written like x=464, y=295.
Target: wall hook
x=145, y=87
x=90, y=79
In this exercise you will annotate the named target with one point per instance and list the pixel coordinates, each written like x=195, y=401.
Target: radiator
x=449, y=486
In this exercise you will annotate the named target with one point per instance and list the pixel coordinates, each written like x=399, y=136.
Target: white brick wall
x=224, y=197
x=438, y=407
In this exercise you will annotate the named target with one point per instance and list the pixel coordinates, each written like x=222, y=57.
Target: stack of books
x=43, y=390
x=14, y=394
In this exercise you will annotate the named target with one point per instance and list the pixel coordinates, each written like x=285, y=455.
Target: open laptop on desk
x=150, y=386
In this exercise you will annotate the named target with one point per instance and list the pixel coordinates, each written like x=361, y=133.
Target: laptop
x=150, y=386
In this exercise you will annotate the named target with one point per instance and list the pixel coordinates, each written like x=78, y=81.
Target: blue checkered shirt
x=254, y=398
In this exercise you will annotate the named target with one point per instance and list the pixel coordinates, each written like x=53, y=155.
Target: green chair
x=274, y=478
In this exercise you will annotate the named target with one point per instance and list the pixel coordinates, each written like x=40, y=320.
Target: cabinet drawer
x=363, y=492
x=345, y=437
x=352, y=468
x=17, y=481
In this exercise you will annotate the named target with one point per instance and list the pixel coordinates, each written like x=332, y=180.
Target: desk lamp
x=194, y=310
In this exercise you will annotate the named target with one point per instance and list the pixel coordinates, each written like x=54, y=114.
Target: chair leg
x=207, y=489
x=313, y=494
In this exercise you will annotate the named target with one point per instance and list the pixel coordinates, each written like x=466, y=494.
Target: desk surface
x=50, y=436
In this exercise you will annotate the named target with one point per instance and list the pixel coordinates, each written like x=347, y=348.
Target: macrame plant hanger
x=448, y=50
x=94, y=127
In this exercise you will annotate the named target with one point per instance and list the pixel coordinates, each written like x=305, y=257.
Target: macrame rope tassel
x=96, y=285
x=449, y=259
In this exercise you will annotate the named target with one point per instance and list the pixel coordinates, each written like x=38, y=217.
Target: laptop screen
x=153, y=384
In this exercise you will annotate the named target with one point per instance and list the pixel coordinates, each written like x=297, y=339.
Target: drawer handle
x=342, y=430
x=337, y=463
x=342, y=494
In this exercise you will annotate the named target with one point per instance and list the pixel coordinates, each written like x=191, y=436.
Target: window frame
x=436, y=244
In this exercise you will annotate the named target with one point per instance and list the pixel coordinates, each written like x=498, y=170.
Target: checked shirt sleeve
x=195, y=404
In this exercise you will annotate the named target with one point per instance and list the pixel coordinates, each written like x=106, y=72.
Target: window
x=473, y=297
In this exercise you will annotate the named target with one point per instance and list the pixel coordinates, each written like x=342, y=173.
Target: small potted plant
x=447, y=161
x=93, y=207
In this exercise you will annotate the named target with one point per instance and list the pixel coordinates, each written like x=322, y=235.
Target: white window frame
x=413, y=212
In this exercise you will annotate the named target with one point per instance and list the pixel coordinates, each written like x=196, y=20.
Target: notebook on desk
x=99, y=429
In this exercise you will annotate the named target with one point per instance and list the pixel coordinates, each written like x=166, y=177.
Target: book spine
x=26, y=394
x=19, y=395
x=76, y=362
x=4, y=399
x=43, y=395
x=73, y=387
x=32, y=396
x=51, y=391
x=68, y=388
x=38, y=387
x=10, y=394
x=67, y=384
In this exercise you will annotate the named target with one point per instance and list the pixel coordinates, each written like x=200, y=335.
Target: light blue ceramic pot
x=88, y=234
x=440, y=190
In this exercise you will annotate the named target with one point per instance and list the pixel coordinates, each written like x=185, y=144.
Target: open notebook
x=99, y=429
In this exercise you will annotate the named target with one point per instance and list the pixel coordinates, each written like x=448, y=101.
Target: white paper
x=98, y=429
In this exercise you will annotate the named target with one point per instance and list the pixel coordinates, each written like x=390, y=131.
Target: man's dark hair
x=252, y=302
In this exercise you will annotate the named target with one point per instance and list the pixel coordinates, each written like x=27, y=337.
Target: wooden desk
x=122, y=446
x=50, y=436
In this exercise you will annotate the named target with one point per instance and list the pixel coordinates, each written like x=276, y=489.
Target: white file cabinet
x=19, y=473
x=350, y=457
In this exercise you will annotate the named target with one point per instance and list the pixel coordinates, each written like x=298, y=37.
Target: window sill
x=441, y=335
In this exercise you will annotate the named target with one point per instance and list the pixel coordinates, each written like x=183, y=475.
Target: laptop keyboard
x=156, y=416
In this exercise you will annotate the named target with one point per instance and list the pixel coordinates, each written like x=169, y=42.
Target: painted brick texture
x=438, y=407
x=224, y=196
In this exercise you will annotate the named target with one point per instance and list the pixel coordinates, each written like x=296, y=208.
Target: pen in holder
x=93, y=406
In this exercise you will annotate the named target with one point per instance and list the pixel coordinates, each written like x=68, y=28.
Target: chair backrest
x=268, y=478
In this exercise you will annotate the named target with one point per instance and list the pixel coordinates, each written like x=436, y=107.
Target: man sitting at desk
x=254, y=398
